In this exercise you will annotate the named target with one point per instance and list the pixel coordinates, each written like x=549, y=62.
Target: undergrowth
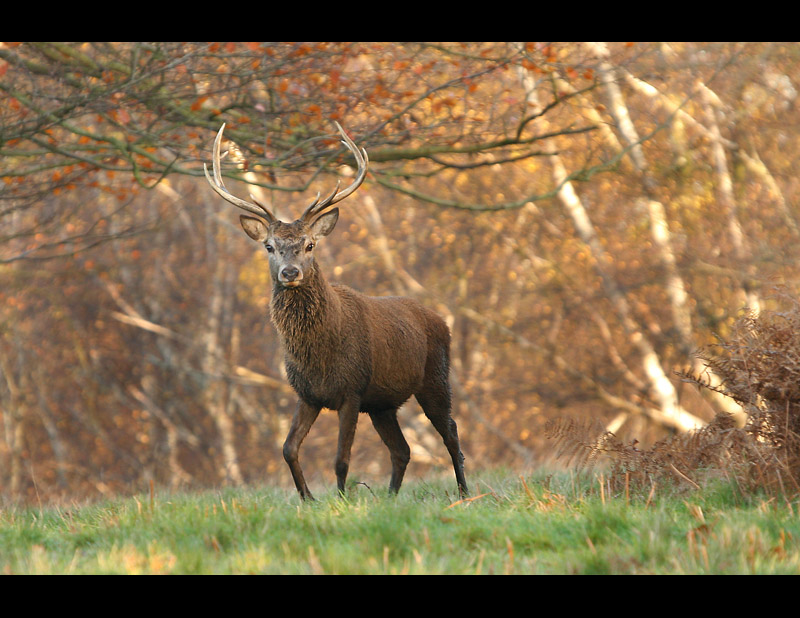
x=758, y=366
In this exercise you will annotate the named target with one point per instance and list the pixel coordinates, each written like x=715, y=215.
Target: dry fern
x=759, y=366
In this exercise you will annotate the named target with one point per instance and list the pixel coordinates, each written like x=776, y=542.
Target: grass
x=531, y=524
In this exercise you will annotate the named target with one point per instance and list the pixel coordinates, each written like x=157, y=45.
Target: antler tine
x=219, y=187
x=316, y=208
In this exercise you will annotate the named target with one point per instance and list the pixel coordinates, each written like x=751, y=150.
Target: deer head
x=290, y=245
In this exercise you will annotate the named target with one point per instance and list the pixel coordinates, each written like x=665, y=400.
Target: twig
x=684, y=477
x=468, y=500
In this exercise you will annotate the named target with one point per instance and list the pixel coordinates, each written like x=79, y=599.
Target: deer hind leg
x=304, y=417
x=435, y=402
x=348, y=420
x=385, y=423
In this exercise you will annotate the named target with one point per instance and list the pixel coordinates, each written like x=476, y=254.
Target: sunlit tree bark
x=659, y=225
x=736, y=237
x=670, y=412
x=13, y=429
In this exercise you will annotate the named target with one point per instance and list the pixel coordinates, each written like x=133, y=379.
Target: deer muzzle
x=290, y=276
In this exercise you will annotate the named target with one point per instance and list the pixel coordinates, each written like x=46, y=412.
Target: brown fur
x=354, y=353
x=344, y=350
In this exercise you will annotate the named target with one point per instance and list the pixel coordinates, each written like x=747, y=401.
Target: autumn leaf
x=198, y=103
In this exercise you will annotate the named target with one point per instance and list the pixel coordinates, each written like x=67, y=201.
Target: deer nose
x=291, y=273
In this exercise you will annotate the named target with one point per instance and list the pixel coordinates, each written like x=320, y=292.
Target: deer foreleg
x=304, y=417
x=348, y=419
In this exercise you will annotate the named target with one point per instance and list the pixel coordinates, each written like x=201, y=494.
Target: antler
x=316, y=208
x=216, y=183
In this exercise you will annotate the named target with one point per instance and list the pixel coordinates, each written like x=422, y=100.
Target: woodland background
x=586, y=216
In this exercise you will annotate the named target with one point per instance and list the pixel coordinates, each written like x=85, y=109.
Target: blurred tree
x=583, y=215
x=123, y=116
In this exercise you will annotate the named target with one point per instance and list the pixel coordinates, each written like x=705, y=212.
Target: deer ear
x=254, y=228
x=324, y=225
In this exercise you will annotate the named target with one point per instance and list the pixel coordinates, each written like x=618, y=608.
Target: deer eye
x=310, y=246
x=270, y=248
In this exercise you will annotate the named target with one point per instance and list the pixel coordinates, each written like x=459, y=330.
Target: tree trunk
x=736, y=236
x=671, y=413
x=216, y=393
x=661, y=389
x=13, y=429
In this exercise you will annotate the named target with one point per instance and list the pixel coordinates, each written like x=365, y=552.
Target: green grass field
x=512, y=524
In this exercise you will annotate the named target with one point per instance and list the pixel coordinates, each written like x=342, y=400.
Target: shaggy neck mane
x=306, y=315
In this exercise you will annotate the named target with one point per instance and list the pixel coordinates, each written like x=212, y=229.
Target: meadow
x=533, y=523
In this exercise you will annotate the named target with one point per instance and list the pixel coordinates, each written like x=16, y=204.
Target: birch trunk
x=736, y=236
x=216, y=395
x=670, y=412
x=725, y=188
x=13, y=429
x=660, y=387
x=659, y=225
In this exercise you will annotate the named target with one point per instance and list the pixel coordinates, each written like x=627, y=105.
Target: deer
x=344, y=350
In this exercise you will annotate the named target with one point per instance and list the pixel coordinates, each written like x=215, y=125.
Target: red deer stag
x=343, y=350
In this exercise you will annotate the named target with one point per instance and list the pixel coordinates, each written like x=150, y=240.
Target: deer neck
x=306, y=316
